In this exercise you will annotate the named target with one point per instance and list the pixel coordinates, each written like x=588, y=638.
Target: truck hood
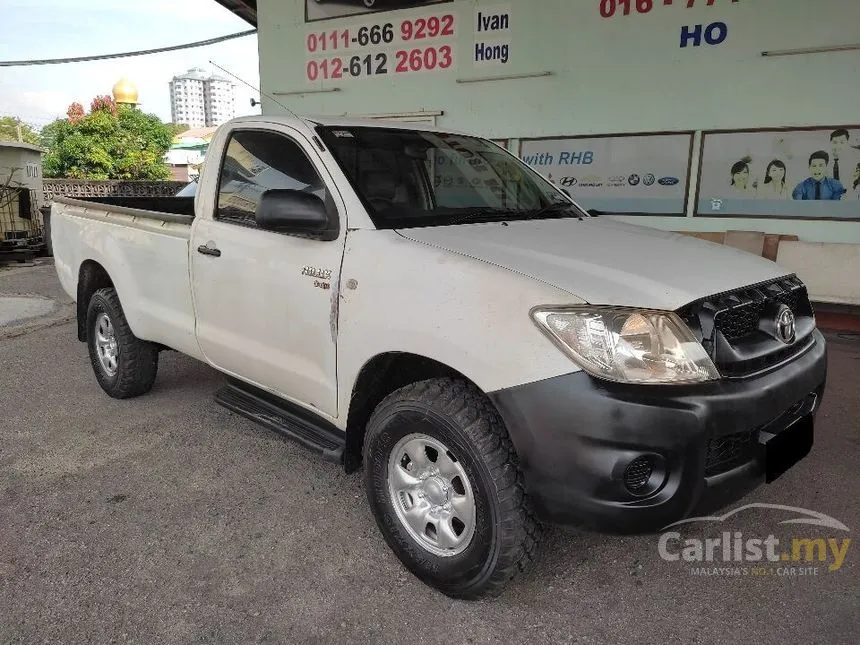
x=605, y=261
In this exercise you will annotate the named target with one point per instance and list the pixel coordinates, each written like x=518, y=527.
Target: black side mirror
x=292, y=211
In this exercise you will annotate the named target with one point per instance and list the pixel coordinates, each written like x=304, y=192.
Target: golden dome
x=125, y=92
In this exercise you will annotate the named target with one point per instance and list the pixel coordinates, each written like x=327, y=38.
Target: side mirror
x=292, y=211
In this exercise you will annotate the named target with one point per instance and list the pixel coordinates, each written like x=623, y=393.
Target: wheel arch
x=379, y=377
x=92, y=276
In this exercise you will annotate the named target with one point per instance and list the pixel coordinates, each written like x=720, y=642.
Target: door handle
x=208, y=250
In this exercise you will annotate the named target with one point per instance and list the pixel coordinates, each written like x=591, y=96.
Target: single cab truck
x=423, y=304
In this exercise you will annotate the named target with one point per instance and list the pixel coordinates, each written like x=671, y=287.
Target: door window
x=257, y=161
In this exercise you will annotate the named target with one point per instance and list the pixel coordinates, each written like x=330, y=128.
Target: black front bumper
x=576, y=435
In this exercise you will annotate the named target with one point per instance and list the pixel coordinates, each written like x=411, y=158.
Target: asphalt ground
x=168, y=519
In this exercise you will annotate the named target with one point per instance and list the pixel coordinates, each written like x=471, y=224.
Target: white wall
x=608, y=75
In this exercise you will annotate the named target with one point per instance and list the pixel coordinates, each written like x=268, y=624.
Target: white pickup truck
x=422, y=303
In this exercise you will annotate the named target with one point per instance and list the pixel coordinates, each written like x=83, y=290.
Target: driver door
x=265, y=301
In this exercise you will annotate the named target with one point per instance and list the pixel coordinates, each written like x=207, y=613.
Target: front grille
x=738, y=328
x=733, y=450
x=730, y=451
x=737, y=369
x=737, y=322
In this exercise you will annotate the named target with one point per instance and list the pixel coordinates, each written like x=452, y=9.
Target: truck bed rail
x=125, y=210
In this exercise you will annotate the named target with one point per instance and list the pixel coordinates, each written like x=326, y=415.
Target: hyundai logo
x=785, y=327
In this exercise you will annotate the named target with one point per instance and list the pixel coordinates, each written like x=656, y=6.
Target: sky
x=61, y=28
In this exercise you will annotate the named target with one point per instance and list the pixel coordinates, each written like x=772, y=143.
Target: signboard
x=804, y=173
x=630, y=174
x=328, y=9
x=383, y=46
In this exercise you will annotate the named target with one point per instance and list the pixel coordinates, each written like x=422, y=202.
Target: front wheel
x=442, y=480
x=125, y=366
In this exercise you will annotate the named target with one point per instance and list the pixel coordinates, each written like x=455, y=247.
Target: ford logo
x=669, y=181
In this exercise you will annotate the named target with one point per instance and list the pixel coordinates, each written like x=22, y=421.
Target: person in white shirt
x=844, y=156
x=773, y=186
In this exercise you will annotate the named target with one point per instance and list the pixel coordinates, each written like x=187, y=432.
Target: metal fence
x=83, y=188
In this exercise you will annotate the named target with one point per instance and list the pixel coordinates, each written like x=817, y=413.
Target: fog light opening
x=637, y=475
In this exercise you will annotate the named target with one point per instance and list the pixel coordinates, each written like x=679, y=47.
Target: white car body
x=459, y=295
x=313, y=322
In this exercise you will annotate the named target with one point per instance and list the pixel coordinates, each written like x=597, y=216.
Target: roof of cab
x=337, y=121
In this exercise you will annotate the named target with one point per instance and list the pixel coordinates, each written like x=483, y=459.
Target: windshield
x=408, y=178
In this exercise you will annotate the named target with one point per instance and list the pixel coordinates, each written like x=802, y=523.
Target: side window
x=257, y=161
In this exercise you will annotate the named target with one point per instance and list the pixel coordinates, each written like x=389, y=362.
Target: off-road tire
x=137, y=360
x=507, y=535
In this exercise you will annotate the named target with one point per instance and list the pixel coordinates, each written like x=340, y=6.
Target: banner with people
x=804, y=173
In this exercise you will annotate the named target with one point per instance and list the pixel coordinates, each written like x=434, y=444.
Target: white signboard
x=328, y=9
x=809, y=173
x=619, y=174
x=389, y=45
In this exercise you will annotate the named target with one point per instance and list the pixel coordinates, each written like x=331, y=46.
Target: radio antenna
x=256, y=89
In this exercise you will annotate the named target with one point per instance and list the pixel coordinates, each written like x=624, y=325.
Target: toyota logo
x=785, y=327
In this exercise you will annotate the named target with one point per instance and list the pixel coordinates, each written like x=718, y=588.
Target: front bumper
x=576, y=435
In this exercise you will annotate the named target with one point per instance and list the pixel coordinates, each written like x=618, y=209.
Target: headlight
x=628, y=345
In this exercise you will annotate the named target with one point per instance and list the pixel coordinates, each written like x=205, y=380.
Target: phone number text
x=398, y=62
x=408, y=30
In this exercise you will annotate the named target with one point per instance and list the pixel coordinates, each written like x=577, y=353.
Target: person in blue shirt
x=819, y=186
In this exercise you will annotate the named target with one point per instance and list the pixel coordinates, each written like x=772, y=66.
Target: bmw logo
x=633, y=180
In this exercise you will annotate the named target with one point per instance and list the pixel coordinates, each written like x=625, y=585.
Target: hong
x=485, y=52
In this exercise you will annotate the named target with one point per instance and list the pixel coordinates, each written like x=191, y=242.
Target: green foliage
x=111, y=142
x=9, y=130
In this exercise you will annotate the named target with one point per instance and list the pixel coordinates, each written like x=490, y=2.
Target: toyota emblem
x=785, y=327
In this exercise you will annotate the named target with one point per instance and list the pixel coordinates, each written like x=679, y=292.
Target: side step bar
x=283, y=417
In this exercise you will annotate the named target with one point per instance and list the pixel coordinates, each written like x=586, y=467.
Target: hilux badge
x=785, y=327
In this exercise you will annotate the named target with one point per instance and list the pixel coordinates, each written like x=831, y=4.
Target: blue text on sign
x=486, y=52
x=714, y=34
x=566, y=158
x=493, y=22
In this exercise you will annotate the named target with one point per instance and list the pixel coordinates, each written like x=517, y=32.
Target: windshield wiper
x=555, y=207
x=486, y=213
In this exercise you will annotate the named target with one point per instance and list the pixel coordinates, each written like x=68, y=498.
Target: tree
x=110, y=142
x=9, y=130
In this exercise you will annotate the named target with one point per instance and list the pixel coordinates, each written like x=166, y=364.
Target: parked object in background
x=422, y=303
x=21, y=193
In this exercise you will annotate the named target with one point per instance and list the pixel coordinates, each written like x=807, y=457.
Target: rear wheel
x=442, y=480
x=124, y=365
